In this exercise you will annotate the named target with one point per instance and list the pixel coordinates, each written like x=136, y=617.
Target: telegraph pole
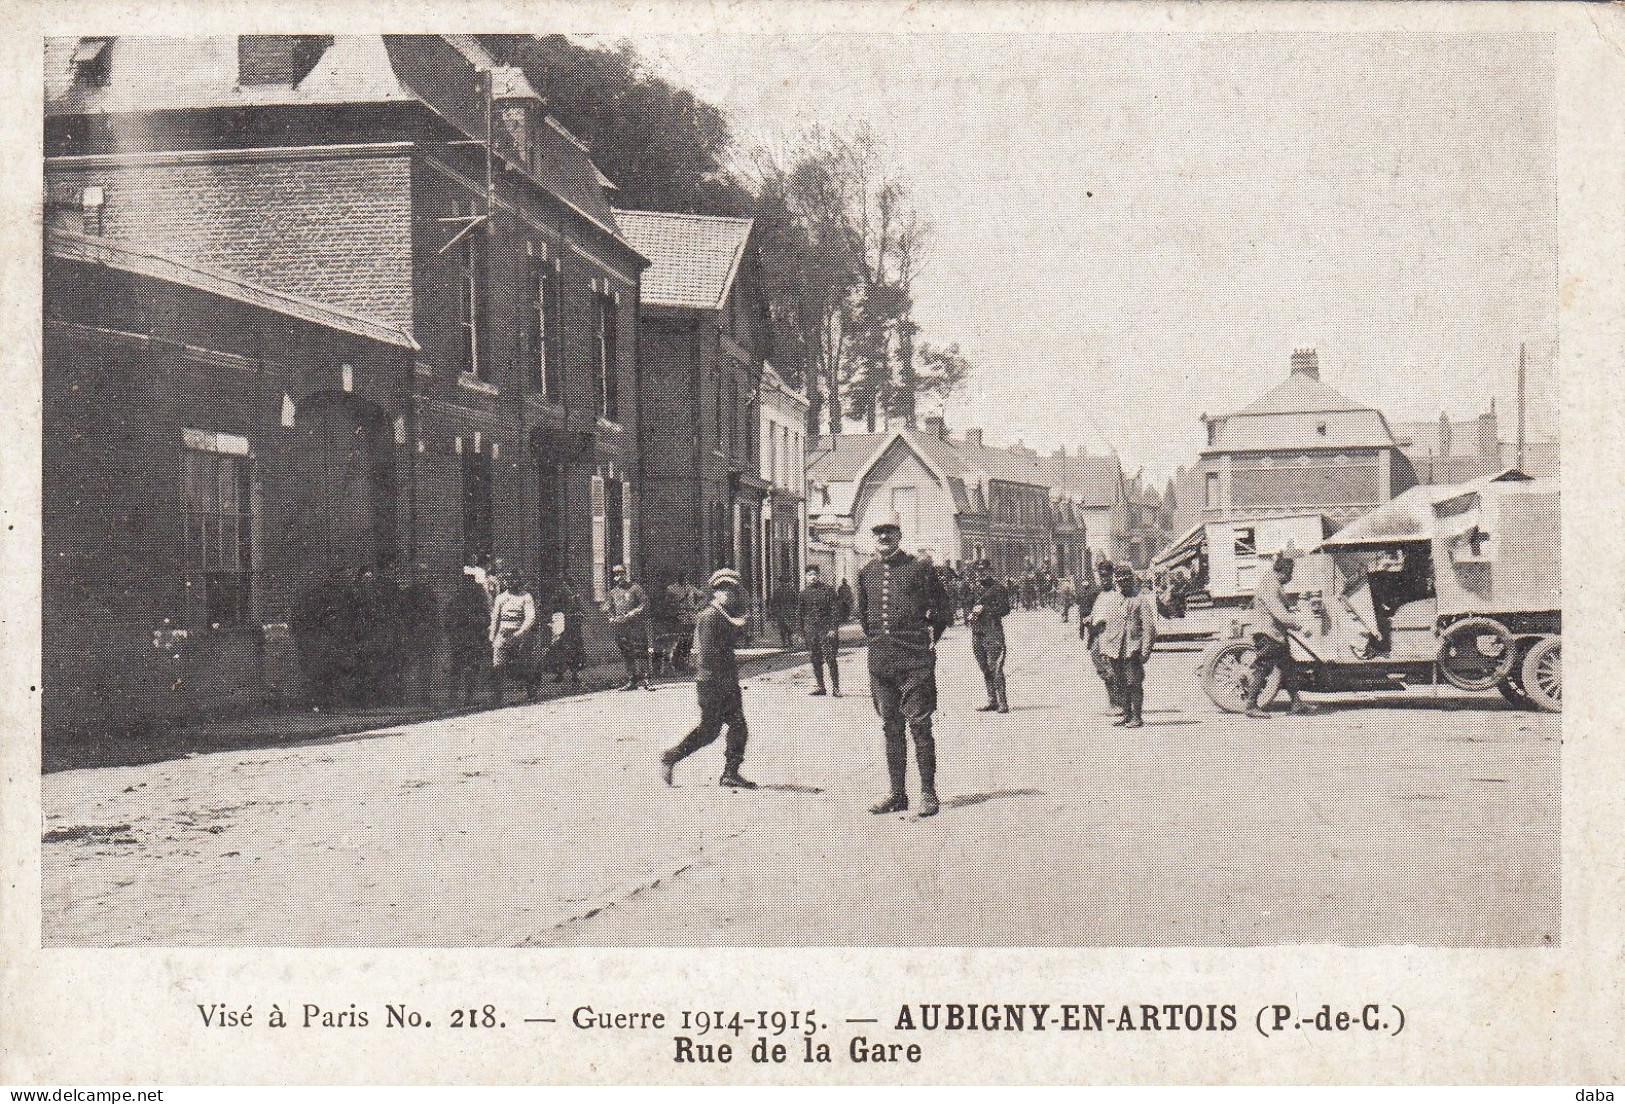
x=1522, y=372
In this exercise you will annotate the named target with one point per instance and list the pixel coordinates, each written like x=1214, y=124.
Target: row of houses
x=317, y=304
x=961, y=500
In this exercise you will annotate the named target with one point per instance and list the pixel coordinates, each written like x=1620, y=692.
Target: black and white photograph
x=809, y=489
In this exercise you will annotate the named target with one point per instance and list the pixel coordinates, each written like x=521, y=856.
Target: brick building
x=411, y=181
x=1301, y=447
x=704, y=344
x=195, y=479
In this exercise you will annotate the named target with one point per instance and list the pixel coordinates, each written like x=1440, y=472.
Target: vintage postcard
x=847, y=543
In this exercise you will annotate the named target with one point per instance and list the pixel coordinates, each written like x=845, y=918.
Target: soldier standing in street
x=1128, y=631
x=904, y=612
x=717, y=631
x=818, y=607
x=987, y=637
x=628, y=610
x=1090, y=627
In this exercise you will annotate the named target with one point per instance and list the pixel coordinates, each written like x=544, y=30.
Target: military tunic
x=904, y=609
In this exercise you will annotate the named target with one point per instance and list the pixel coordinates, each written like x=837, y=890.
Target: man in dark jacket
x=904, y=612
x=717, y=631
x=819, y=611
x=987, y=638
x=467, y=624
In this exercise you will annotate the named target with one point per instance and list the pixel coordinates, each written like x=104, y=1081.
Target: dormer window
x=278, y=59
x=89, y=61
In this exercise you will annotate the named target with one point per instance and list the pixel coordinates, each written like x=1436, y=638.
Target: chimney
x=1059, y=453
x=1306, y=362
x=937, y=426
x=1444, y=434
x=1489, y=433
x=973, y=436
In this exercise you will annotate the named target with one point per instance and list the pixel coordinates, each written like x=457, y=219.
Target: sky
x=1132, y=230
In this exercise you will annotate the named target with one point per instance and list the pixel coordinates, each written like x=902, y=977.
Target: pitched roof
x=1092, y=480
x=1300, y=394
x=67, y=245
x=1300, y=412
x=695, y=257
x=148, y=73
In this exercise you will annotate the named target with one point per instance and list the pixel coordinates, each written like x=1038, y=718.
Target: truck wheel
x=1512, y=690
x=1543, y=674
x=1477, y=653
x=1226, y=670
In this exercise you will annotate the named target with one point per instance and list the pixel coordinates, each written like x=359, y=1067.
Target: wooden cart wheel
x=1477, y=653
x=1543, y=674
x=1226, y=670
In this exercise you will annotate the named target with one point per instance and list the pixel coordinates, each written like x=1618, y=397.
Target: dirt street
x=1394, y=819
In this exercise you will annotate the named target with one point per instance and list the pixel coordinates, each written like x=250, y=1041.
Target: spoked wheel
x=1227, y=671
x=1543, y=674
x=1477, y=653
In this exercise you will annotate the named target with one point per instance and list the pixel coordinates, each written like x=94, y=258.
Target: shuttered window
x=599, y=544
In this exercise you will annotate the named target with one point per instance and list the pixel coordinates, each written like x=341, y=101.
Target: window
x=468, y=290
x=477, y=546
x=1212, y=487
x=217, y=516
x=544, y=341
x=608, y=404
x=1246, y=544
x=614, y=524
x=600, y=587
x=733, y=415
x=89, y=61
x=717, y=393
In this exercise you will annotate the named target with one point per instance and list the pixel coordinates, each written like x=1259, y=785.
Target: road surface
x=1399, y=819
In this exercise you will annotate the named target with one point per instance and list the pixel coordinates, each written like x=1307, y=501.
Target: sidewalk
x=297, y=726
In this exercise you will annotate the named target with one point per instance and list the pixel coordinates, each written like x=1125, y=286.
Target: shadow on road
x=967, y=800
x=790, y=787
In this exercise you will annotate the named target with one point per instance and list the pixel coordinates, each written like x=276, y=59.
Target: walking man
x=1127, y=633
x=903, y=609
x=819, y=610
x=628, y=610
x=717, y=630
x=1271, y=620
x=987, y=616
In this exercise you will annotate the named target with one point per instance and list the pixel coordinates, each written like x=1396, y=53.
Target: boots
x=733, y=780
x=896, y=803
x=925, y=751
x=1003, y=696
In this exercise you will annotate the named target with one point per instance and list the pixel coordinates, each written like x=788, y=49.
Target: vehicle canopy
x=1494, y=541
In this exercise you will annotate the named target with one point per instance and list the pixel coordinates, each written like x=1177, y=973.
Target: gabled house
x=959, y=500
x=704, y=345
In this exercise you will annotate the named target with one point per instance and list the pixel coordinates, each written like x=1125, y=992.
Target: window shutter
x=626, y=525
x=598, y=542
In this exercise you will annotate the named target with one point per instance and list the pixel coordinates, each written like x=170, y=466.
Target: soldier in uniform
x=819, y=610
x=717, y=630
x=903, y=609
x=1090, y=627
x=628, y=608
x=1127, y=633
x=987, y=637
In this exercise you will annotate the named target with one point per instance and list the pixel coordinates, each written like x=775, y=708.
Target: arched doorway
x=344, y=465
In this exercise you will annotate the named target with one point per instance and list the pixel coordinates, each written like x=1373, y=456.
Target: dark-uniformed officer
x=819, y=609
x=987, y=636
x=904, y=611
